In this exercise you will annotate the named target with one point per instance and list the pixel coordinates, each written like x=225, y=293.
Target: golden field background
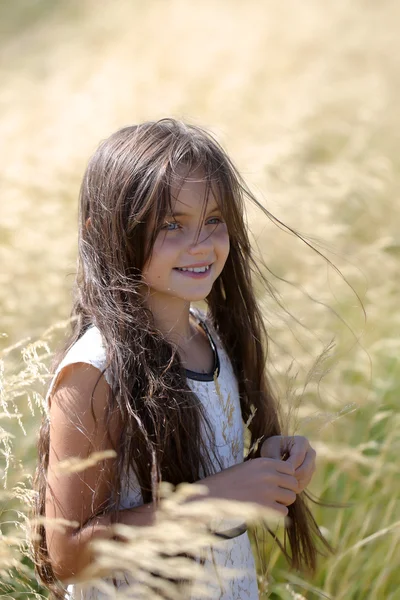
x=304, y=97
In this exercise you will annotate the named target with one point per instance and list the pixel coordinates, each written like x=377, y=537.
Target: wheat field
x=303, y=96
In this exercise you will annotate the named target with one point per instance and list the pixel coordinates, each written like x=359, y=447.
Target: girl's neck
x=172, y=317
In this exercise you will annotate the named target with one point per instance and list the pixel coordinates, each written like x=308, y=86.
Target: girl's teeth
x=195, y=269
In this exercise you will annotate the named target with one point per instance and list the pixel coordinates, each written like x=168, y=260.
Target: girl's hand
x=299, y=454
x=265, y=481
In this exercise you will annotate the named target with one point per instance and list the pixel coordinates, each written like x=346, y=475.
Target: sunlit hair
x=126, y=186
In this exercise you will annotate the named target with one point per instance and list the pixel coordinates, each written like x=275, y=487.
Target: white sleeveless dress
x=223, y=411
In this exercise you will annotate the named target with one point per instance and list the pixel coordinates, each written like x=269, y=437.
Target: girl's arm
x=78, y=495
x=76, y=432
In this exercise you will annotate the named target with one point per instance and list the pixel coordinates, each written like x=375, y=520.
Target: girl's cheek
x=222, y=231
x=166, y=243
x=221, y=237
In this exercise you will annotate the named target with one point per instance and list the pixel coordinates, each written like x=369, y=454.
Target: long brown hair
x=128, y=183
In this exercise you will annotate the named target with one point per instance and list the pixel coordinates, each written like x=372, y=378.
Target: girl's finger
x=273, y=447
x=280, y=508
x=305, y=472
x=298, y=451
x=286, y=497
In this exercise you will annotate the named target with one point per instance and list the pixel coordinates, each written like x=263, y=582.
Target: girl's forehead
x=193, y=197
x=192, y=191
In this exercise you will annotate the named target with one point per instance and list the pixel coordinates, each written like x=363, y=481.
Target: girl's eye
x=170, y=226
x=216, y=220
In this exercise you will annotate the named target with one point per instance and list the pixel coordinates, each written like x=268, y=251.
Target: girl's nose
x=202, y=244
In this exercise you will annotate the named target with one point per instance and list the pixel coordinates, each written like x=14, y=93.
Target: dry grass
x=304, y=97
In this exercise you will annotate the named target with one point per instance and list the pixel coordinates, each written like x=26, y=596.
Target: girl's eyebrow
x=181, y=214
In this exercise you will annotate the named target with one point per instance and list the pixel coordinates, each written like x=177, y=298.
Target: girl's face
x=192, y=237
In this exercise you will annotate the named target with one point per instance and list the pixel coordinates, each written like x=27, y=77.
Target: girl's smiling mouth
x=197, y=272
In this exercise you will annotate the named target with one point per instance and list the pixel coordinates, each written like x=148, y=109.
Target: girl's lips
x=193, y=274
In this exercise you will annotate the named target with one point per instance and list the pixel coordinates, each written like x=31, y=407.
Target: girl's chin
x=184, y=295
x=192, y=295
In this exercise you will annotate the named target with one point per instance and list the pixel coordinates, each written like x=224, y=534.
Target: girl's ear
x=88, y=222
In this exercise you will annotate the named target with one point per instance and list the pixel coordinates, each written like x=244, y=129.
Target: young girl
x=166, y=386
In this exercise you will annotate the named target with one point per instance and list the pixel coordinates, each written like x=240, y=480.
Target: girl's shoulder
x=89, y=349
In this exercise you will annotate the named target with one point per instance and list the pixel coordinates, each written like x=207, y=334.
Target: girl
x=166, y=386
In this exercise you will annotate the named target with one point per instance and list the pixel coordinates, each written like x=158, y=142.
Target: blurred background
x=304, y=98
